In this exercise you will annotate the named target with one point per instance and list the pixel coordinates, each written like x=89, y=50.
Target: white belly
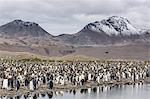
x=5, y=83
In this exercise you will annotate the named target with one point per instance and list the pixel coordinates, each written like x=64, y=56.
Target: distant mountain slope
x=111, y=31
x=109, y=38
x=19, y=28
x=20, y=36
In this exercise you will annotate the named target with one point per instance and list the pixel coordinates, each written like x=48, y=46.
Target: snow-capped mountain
x=107, y=31
x=113, y=26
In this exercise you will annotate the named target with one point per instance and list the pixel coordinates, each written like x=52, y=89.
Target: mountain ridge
x=107, y=31
x=20, y=36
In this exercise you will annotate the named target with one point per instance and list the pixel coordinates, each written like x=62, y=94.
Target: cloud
x=69, y=16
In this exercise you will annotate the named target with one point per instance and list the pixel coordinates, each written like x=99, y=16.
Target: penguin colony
x=31, y=75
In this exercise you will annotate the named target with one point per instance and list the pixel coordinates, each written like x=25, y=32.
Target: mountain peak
x=19, y=28
x=113, y=25
x=20, y=22
x=117, y=18
x=119, y=23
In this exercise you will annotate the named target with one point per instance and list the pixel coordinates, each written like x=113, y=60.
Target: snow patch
x=114, y=26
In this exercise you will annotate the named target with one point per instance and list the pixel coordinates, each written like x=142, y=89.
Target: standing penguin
x=98, y=79
x=17, y=84
x=34, y=84
x=26, y=82
x=137, y=76
x=89, y=77
x=31, y=87
x=5, y=84
x=1, y=83
x=12, y=82
x=62, y=82
x=50, y=84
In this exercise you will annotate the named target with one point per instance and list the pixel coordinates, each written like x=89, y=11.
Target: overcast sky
x=70, y=16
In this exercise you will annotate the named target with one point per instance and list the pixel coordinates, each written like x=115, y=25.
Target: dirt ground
x=125, y=52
